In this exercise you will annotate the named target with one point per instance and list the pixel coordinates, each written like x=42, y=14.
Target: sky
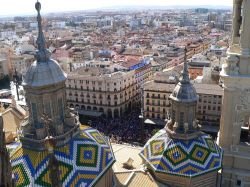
x=17, y=7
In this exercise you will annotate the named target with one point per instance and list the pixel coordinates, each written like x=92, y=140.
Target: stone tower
x=180, y=155
x=44, y=84
x=235, y=75
x=54, y=149
x=5, y=167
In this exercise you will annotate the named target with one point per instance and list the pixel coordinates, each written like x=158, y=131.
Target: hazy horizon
x=26, y=7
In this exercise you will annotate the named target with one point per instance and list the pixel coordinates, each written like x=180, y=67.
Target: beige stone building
x=4, y=69
x=13, y=117
x=156, y=94
x=157, y=106
x=234, y=130
x=208, y=110
x=97, y=91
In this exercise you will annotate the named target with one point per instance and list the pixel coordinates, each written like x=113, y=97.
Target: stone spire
x=182, y=124
x=185, y=76
x=42, y=54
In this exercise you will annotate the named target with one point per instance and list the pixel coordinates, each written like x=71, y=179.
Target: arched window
x=34, y=112
x=47, y=108
x=60, y=107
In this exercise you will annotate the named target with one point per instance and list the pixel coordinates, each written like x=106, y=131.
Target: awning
x=148, y=121
x=90, y=113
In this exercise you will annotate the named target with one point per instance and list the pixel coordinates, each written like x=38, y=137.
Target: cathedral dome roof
x=82, y=161
x=184, y=93
x=182, y=157
x=44, y=73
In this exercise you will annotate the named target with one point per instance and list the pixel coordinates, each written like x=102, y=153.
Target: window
x=158, y=116
x=238, y=182
x=173, y=115
x=181, y=118
x=47, y=109
x=190, y=117
x=60, y=107
x=34, y=112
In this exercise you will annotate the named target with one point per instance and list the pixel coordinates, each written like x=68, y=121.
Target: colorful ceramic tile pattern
x=81, y=162
x=185, y=158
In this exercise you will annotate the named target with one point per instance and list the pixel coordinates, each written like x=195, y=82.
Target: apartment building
x=97, y=91
x=208, y=111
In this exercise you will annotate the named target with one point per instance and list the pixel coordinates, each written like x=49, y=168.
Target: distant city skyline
x=26, y=7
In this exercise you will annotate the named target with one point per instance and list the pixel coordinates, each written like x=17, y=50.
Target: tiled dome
x=43, y=74
x=182, y=157
x=82, y=161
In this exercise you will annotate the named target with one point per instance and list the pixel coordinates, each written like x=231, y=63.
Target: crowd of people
x=121, y=130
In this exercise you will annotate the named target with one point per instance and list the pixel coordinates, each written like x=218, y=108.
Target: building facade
x=95, y=92
x=5, y=166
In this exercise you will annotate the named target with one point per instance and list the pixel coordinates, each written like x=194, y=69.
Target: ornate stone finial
x=2, y=109
x=13, y=102
x=53, y=164
x=176, y=125
x=46, y=120
x=185, y=76
x=42, y=54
